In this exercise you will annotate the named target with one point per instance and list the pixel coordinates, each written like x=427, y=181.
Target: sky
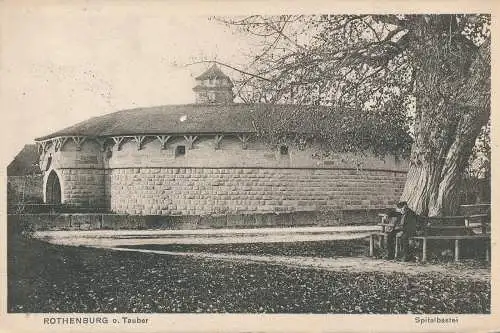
x=63, y=64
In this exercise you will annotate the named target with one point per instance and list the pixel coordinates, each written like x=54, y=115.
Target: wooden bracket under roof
x=244, y=140
x=78, y=140
x=217, y=140
x=163, y=140
x=118, y=141
x=190, y=139
x=59, y=143
x=139, y=141
x=42, y=146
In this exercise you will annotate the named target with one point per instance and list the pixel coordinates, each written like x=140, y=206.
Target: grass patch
x=49, y=278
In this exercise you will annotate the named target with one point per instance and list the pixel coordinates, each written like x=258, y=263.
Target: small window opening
x=283, y=150
x=180, y=151
x=211, y=96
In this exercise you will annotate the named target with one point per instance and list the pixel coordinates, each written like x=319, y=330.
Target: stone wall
x=213, y=179
x=92, y=221
x=84, y=187
x=219, y=191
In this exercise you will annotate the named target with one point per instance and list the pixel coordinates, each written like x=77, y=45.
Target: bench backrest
x=455, y=225
x=441, y=230
x=425, y=221
x=447, y=225
x=474, y=209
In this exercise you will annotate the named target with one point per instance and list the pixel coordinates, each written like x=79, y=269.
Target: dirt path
x=204, y=232
x=115, y=239
x=350, y=264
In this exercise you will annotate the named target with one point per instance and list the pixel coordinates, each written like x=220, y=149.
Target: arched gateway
x=53, y=189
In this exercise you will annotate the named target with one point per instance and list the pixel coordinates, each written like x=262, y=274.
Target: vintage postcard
x=248, y=167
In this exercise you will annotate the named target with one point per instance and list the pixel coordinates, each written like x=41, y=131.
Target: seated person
x=407, y=226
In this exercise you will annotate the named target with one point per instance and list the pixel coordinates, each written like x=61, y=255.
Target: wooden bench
x=482, y=221
x=455, y=228
x=457, y=239
x=381, y=235
x=440, y=228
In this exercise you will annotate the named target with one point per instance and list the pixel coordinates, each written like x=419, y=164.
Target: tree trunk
x=447, y=202
x=442, y=146
x=432, y=185
x=420, y=186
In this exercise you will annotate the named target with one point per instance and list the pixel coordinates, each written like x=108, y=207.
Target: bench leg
x=396, y=248
x=457, y=249
x=371, y=245
x=424, y=250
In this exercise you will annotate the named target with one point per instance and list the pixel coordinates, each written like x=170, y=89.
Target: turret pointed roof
x=214, y=72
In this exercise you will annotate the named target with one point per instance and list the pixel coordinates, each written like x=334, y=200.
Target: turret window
x=211, y=96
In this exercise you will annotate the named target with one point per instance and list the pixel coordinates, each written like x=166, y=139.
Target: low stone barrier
x=95, y=221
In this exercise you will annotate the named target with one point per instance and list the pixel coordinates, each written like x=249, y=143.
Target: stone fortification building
x=204, y=159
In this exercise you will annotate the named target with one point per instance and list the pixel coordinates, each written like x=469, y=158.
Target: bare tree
x=371, y=72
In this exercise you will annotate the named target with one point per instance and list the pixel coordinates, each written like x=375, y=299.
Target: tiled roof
x=211, y=73
x=179, y=119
